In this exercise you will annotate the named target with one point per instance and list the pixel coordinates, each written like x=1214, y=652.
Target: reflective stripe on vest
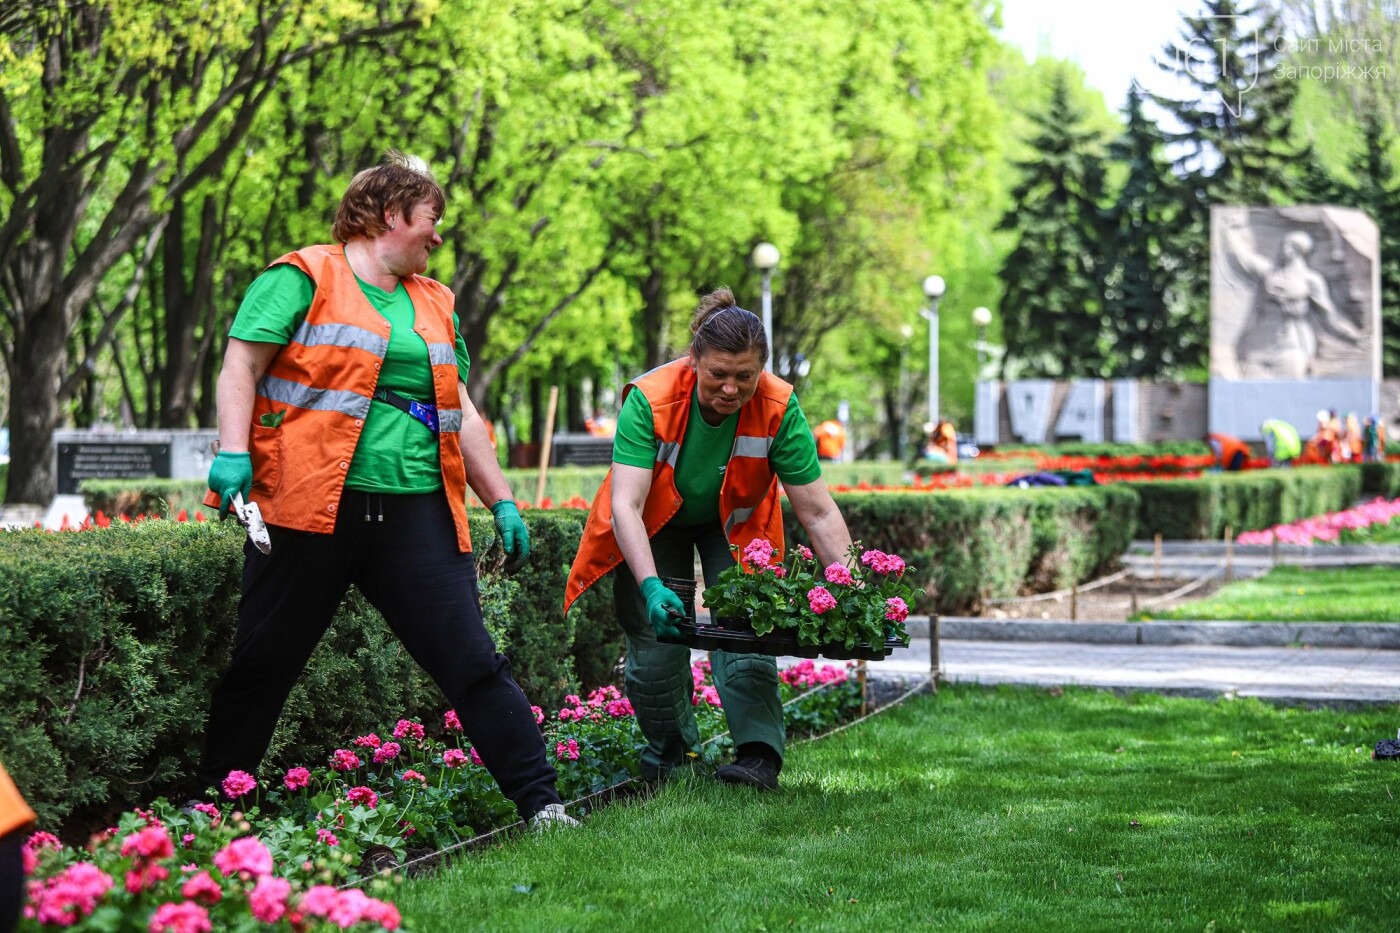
x=748, y=505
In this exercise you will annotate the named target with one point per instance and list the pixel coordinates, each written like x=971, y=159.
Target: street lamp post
x=907, y=332
x=981, y=317
x=933, y=290
x=765, y=259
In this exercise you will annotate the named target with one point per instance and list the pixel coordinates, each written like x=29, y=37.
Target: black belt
x=419, y=411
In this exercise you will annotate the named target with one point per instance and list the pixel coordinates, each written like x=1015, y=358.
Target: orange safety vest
x=748, y=497
x=322, y=384
x=14, y=812
x=1229, y=446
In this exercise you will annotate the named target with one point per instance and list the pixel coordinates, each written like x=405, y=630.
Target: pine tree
x=1142, y=282
x=1378, y=194
x=1052, y=303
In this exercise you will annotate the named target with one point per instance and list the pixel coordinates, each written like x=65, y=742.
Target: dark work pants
x=658, y=675
x=11, y=879
x=409, y=568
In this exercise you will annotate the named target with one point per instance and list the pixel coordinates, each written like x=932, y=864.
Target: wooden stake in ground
x=1132, y=594
x=1229, y=553
x=1074, y=603
x=1156, y=558
x=548, y=442
x=864, y=696
x=935, y=663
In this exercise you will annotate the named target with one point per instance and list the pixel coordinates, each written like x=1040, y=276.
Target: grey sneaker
x=751, y=770
x=552, y=817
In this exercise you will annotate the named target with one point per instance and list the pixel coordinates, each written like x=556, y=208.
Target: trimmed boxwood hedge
x=1201, y=509
x=112, y=640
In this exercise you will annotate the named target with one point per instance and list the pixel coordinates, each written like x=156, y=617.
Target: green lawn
x=1291, y=594
x=984, y=809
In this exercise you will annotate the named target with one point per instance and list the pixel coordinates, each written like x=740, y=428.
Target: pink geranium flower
x=209, y=810
x=296, y=779
x=411, y=775
x=454, y=758
x=408, y=729
x=567, y=751
x=386, y=752
x=539, y=715
x=367, y=741
x=342, y=759
x=202, y=888
x=70, y=895
x=184, y=917
x=244, y=855
x=145, y=875
x=617, y=709
x=804, y=552
x=820, y=600
x=898, y=611
x=238, y=783
x=838, y=573
x=364, y=795
x=759, y=552
x=471, y=753
x=451, y=721
x=326, y=836
x=153, y=842
x=268, y=899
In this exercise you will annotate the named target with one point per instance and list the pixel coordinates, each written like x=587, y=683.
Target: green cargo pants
x=658, y=679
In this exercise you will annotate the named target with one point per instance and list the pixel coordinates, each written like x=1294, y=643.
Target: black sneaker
x=751, y=770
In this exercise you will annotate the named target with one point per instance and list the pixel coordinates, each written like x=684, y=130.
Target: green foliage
x=1201, y=509
x=1382, y=479
x=1159, y=449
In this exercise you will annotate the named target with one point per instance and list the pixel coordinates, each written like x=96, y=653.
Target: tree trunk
x=38, y=367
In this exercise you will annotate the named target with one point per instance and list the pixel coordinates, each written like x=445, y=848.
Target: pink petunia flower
x=342, y=759
x=202, y=888
x=246, y=854
x=268, y=899
x=451, y=721
x=184, y=917
x=364, y=795
x=898, y=611
x=296, y=779
x=454, y=758
x=820, y=599
x=838, y=573
x=408, y=729
x=238, y=783
x=386, y=752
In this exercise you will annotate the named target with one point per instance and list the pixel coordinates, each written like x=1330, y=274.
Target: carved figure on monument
x=1292, y=302
x=1294, y=294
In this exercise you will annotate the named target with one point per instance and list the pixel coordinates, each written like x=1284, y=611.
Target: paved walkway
x=1300, y=675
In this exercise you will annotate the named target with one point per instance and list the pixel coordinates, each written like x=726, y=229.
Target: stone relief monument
x=1295, y=314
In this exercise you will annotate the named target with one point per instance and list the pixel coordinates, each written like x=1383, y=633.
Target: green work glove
x=231, y=473
x=515, y=539
x=661, y=603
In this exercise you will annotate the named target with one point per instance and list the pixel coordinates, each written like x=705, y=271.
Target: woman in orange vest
x=15, y=818
x=701, y=445
x=343, y=413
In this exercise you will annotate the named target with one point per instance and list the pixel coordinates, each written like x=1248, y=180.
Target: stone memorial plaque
x=115, y=459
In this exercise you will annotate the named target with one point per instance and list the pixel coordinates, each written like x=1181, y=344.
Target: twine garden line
x=1058, y=594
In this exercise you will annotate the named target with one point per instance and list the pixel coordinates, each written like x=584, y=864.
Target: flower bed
x=1344, y=526
x=270, y=854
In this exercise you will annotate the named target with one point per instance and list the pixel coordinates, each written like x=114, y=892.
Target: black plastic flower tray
x=778, y=643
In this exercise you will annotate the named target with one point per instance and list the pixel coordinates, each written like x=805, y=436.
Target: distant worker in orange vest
x=831, y=439
x=344, y=414
x=942, y=445
x=702, y=443
x=1231, y=453
x=15, y=819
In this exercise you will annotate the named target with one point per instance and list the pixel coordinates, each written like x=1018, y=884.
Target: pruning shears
x=250, y=517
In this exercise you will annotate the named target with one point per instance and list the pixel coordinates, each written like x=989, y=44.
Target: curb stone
x=1376, y=635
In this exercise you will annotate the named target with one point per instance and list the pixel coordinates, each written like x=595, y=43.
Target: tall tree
x=109, y=111
x=1053, y=306
x=1143, y=303
x=1377, y=191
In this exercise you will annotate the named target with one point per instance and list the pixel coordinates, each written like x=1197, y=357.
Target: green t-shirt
x=396, y=453
x=705, y=453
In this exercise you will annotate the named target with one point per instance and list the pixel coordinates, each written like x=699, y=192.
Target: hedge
x=1381, y=479
x=1201, y=509
x=113, y=639
x=972, y=545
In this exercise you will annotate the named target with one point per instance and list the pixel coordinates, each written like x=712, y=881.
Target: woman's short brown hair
x=399, y=182
x=721, y=325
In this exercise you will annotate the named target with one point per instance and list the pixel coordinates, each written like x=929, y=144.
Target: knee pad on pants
x=747, y=670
